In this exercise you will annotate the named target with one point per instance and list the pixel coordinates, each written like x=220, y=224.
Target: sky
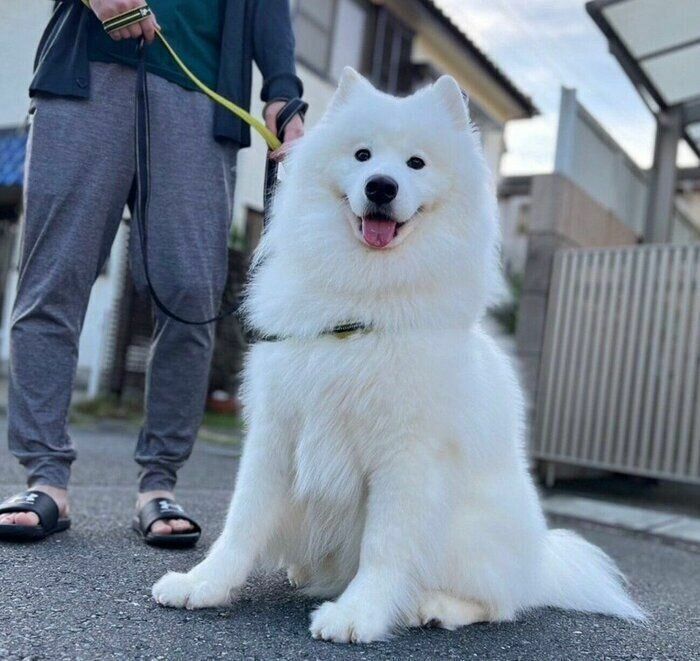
x=543, y=45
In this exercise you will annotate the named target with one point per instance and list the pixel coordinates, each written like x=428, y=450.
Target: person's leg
x=78, y=174
x=192, y=178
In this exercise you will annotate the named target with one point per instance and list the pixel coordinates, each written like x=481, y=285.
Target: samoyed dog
x=385, y=468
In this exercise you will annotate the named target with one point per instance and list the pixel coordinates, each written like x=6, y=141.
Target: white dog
x=386, y=469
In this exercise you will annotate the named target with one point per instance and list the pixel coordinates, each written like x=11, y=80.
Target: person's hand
x=293, y=131
x=146, y=29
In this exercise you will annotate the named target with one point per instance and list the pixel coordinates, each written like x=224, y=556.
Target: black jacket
x=254, y=30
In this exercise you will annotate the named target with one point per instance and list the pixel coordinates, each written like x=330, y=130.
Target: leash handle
x=291, y=109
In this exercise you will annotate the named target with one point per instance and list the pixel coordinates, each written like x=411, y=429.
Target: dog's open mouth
x=379, y=231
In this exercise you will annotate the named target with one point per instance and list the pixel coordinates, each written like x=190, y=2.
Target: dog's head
x=387, y=192
x=392, y=161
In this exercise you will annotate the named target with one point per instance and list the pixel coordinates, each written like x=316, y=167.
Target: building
x=590, y=159
x=399, y=44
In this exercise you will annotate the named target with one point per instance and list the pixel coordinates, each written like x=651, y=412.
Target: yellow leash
x=268, y=136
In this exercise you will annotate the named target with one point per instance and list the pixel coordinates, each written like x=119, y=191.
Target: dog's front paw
x=186, y=591
x=341, y=624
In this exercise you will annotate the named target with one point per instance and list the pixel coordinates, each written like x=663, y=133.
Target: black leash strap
x=143, y=182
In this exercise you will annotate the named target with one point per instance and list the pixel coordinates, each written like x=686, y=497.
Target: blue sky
x=542, y=45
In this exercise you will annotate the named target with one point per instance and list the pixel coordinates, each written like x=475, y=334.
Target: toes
x=26, y=519
x=180, y=525
x=161, y=528
x=19, y=519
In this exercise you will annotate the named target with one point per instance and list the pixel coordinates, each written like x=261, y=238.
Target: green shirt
x=192, y=27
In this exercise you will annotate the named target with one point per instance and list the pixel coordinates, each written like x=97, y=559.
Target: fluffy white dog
x=386, y=470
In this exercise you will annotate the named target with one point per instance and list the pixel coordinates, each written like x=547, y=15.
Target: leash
x=143, y=146
x=143, y=158
x=143, y=184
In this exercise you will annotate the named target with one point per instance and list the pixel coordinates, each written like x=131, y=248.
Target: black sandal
x=162, y=509
x=40, y=504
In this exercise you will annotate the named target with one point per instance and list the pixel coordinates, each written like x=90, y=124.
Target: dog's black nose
x=381, y=189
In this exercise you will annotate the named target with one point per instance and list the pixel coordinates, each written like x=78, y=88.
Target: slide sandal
x=160, y=509
x=43, y=506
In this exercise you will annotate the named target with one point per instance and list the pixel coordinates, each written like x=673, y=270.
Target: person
x=79, y=173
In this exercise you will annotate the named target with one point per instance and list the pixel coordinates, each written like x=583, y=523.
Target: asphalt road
x=84, y=594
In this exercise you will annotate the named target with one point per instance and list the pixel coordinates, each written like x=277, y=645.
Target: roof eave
x=523, y=102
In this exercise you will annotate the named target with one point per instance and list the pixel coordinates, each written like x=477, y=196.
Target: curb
x=638, y=519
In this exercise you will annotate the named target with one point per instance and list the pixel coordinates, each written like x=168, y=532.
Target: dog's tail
x=580, y=576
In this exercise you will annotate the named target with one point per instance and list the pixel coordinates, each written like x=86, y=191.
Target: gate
x=619, y=387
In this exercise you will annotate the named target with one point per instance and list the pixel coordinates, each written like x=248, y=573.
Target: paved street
x=85, y=594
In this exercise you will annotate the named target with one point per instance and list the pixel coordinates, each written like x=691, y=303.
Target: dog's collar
x=340, y=332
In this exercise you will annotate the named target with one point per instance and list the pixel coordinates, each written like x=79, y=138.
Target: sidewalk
x=673, y=527
x=85, y=594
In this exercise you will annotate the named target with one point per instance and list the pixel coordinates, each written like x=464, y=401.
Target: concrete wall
x=562, y=215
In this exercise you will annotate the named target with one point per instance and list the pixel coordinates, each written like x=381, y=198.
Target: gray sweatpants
x=80, y=168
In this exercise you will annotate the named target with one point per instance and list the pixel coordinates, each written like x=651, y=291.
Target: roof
x=522, y=100
x=13, y=144
x=657, y=46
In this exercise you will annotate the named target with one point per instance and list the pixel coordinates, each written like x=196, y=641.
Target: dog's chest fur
x=351, y=403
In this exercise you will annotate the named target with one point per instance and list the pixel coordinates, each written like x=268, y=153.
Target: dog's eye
x=415, y=163
x=363, y=155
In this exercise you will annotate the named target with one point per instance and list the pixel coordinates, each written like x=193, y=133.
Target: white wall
x=21, y=25
x=587, y=155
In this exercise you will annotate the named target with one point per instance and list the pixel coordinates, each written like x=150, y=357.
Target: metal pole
x=662, y=186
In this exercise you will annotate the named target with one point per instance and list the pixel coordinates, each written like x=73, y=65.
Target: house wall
x=22, y=23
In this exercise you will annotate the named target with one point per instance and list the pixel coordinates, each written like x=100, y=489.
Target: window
x=331, y=34
x=350, y=34
x=391, y=59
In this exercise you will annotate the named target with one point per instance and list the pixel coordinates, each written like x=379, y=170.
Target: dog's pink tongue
x=378, y=233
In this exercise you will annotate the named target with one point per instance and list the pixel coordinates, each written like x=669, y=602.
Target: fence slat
x=638, y=261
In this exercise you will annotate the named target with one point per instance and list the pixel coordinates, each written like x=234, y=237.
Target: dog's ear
x=350, y=82
x=453, y=100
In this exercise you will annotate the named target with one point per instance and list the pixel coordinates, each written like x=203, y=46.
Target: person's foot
x=168, y=526
x=60, y=496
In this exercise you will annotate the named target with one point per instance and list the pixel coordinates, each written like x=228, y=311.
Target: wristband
x=127, y=18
